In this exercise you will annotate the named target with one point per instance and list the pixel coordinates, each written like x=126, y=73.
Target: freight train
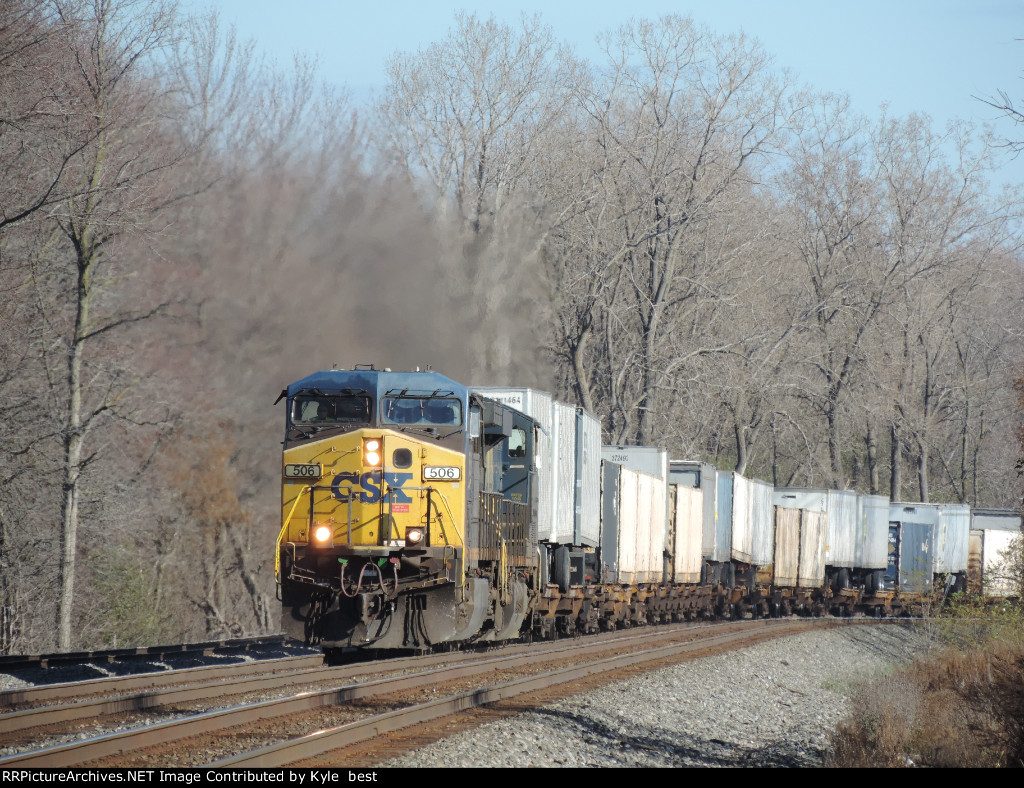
x=420, y=513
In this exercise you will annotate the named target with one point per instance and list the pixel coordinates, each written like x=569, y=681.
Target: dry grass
x=956, y=707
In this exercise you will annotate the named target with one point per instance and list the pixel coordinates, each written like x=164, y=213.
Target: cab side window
x=517, y=444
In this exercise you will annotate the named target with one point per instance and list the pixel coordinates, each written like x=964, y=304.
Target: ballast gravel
x=773, y=704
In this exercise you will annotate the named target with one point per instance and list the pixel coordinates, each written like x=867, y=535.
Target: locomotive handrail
x=284, y=530
x=440, y=521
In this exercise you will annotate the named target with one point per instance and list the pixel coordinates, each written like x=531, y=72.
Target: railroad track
x=393, y=704
x=15, y=663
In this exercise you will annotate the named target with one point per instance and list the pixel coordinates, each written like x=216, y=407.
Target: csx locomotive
x=418, y=512
x=406, y=511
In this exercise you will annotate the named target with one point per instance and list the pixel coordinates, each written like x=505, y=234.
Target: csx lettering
x=370, y=486
x=395, y=482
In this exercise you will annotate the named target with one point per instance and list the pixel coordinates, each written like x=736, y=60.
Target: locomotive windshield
x=331, y=410
x=421, y=411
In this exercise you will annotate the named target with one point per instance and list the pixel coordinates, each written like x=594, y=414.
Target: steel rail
x=86, y=750
x=315, y=744
x=9, y=662
x=141, y=701
x=63, y=691
x=303, y=667
x=105, y=745
x=204, y=683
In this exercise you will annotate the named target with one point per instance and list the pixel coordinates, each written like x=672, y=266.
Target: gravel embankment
x=773, y=704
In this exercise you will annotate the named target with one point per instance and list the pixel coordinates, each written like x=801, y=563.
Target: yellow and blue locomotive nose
x=372, y=488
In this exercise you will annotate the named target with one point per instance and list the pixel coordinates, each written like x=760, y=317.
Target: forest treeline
x=674, y=234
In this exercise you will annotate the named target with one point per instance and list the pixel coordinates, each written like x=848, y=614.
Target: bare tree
x=114, y=189
x=36, y=102
x=943, y=233
x=1009, y=109
x=681, y=121
x=834, y=197
x=470, y=118
x=467, y=111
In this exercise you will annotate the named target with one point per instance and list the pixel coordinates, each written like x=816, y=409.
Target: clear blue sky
x=927, y=56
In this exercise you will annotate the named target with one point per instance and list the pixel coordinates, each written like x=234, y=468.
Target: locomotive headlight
x=414, y=536
x=323, y=535
x=371, y=451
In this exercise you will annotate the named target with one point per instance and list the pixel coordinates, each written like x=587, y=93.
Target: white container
x=588, y=490
x=813, y=536
x=761, y=517
x=687, y=533
x=951, y=538
x=786, y=564
x=872, y=545
x=993, y=532
x=649, y=459
x=644, y=528
x=537, y=405
x=995, y=545
x=752, y=523
x=633, y=526
x=922, y=514
x=840, y=508
x=702, y=476
x=800, y=539
x=563, y=463
x=720, y=549
x=841, y=549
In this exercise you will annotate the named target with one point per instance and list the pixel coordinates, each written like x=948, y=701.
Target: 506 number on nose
x=441, y=473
